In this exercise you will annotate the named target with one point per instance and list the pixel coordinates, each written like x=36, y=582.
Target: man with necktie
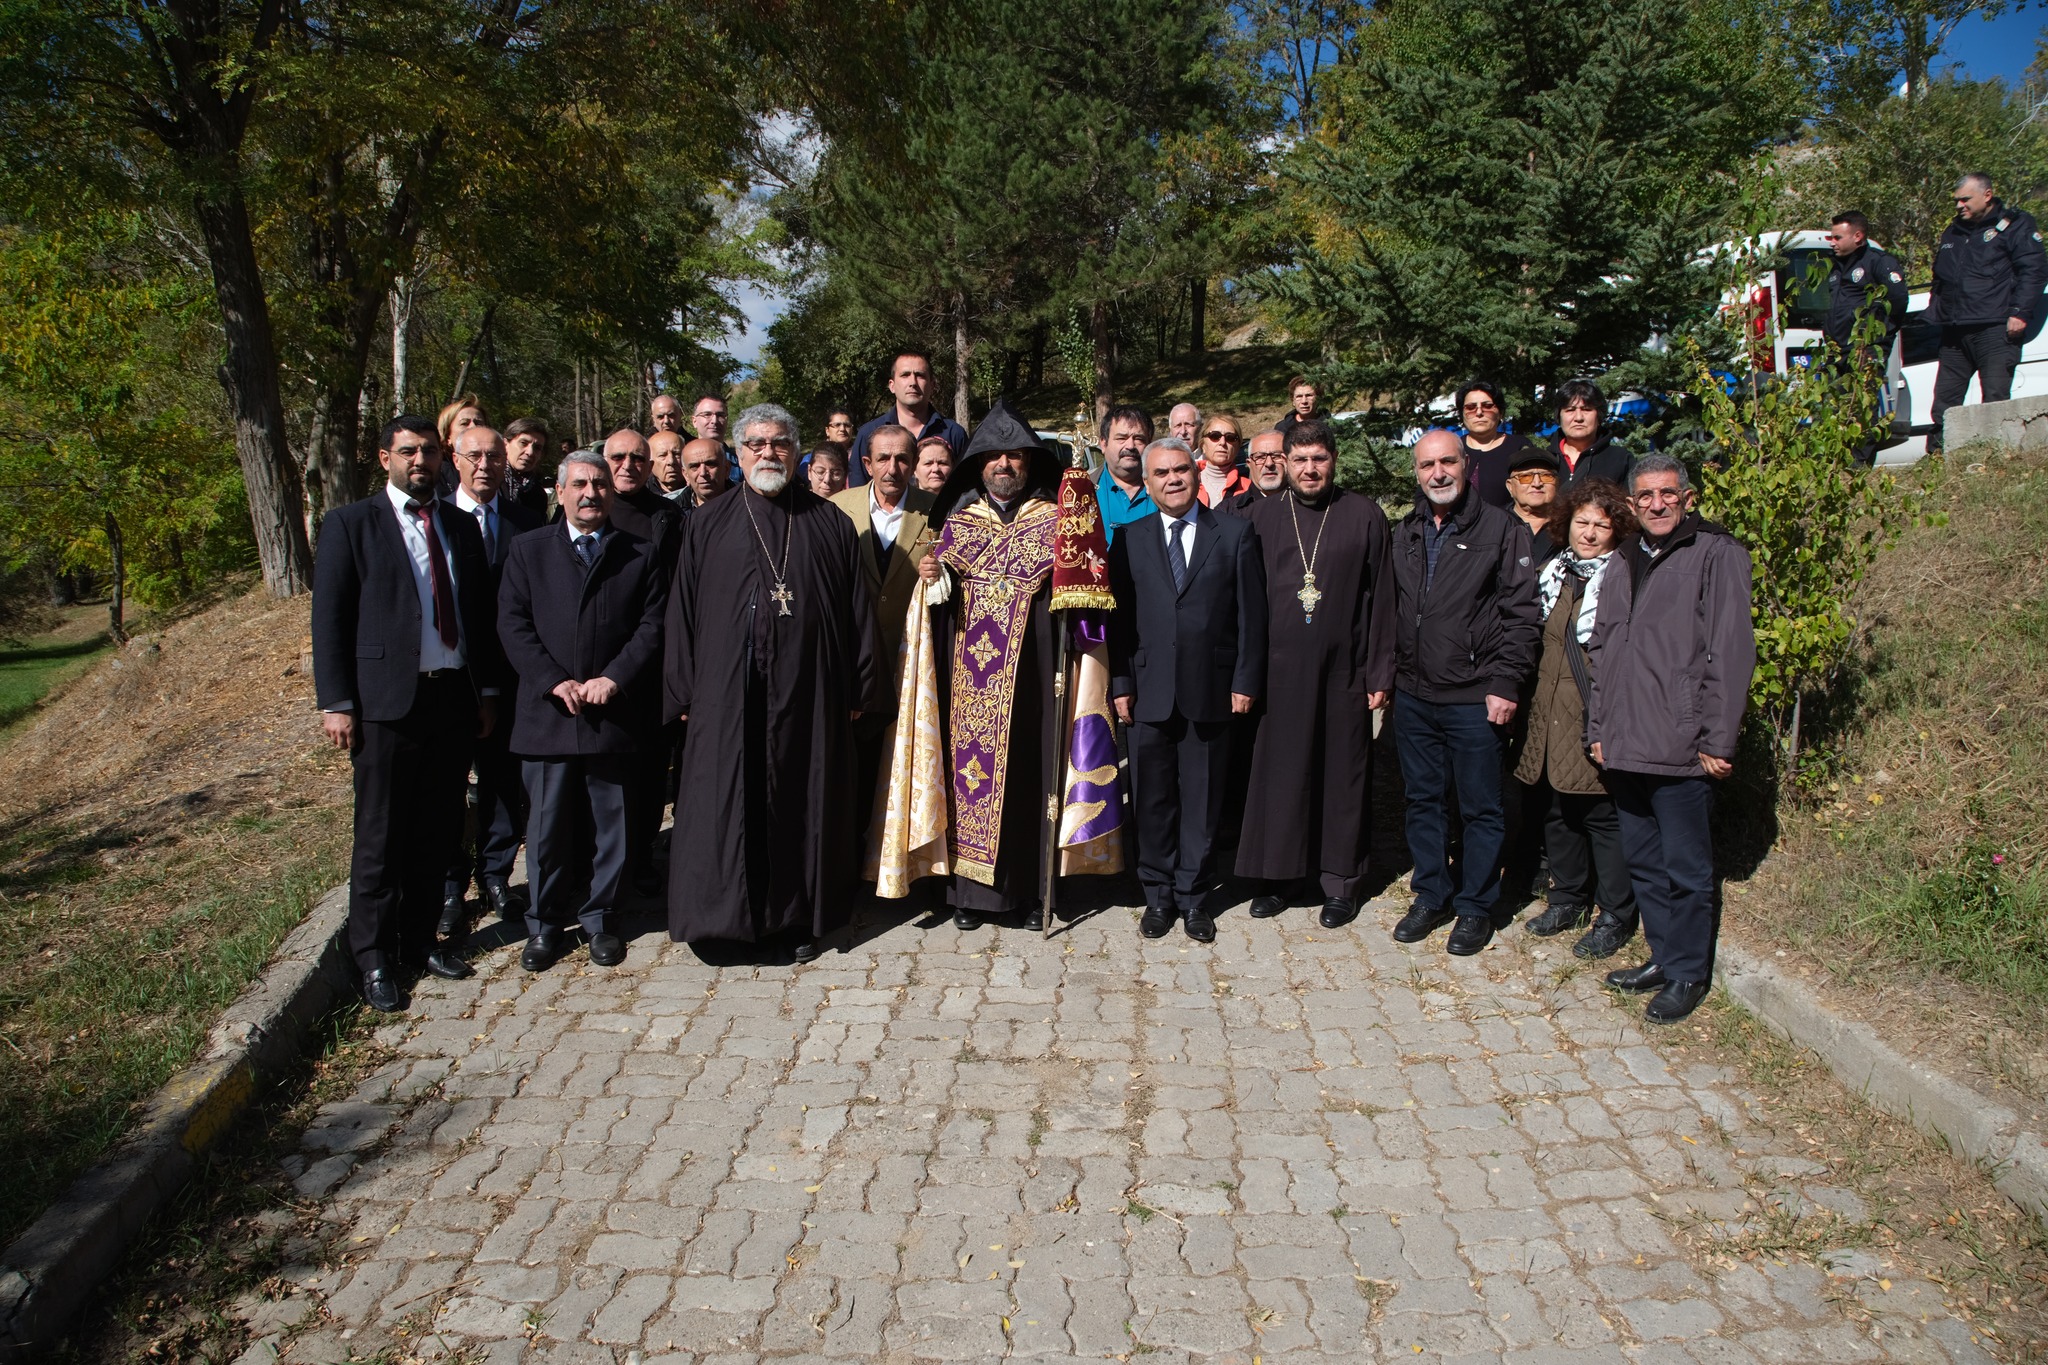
x=1187, y=653
x=480, y=467
x=408, y=670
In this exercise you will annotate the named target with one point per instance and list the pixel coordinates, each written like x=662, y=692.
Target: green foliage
x=1521, y=190
x=1783, y=480
x=100, y=419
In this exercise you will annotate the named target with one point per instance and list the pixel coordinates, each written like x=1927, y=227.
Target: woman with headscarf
x=1582, y=833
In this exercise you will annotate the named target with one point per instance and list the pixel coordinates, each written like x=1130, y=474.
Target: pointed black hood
x=1002, y=429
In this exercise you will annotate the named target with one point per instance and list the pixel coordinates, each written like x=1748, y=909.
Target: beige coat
x=1556, y=743
x=890, y=589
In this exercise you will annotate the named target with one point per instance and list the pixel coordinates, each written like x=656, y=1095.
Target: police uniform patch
x=1897, y=278
x=1989, y=233
x=1856, y=275
x=2004, y=223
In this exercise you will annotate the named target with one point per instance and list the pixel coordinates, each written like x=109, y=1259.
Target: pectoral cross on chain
x=783, y=597
x=1309, y=596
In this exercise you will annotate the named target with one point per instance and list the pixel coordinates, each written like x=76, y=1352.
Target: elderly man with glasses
x=1673, y=650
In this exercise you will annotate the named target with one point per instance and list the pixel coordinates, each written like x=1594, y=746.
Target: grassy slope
x=31, y=669
x=163, y=824
x=1249, y=383
x=1912, y=876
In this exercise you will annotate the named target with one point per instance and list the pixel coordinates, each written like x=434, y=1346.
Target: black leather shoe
x=966, y=921
x=1420, y=922
x=806, y=951
x=1675, y=1001
x=1648, y=977
x=1337, y=912
x=1557, y=919
x=1199, y=926
x=454, y=917
x=1265, y=907
x=1158, y=919
x=498, y=896
x=380, y=991
x=444, y=963
x=1034, y=919
x=607, y=950
x=1605, y=938
x=541, y=951
x=1469, y=935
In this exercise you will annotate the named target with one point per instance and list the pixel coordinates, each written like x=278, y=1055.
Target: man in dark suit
x=1187, y=652
x=480, y=465
x=407, y=670
x=580, y=611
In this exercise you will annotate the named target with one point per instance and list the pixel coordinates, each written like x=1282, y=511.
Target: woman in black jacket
x=1585, y=450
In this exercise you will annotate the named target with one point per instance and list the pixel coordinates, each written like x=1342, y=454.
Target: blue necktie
x=1177, y=555
x=586, y=549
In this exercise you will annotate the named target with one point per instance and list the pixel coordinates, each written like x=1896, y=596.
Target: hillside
x=164, y=820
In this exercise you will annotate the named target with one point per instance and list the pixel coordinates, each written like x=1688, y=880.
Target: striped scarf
x=1550, y=584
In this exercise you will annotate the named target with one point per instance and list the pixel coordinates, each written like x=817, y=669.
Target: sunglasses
x=1528, y=476
x=1482, y=407
x=1219, y=436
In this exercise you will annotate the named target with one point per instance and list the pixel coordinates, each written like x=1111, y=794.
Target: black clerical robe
x=1308, y=811
x=764, y=839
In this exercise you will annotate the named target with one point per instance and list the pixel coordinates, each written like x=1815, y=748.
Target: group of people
x=1023, y=674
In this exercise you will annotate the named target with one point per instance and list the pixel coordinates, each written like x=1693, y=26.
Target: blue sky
x=1998, y=47
x=2003, y=46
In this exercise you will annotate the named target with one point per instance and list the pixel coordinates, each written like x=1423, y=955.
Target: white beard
x=768, y=480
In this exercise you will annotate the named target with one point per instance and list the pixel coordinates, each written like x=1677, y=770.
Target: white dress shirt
x=886, y=524
x=1187, y=537
x=490, y=521
x=433, y=654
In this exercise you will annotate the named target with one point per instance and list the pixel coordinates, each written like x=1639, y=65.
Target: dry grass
x=1907, y=883
x=163, y=823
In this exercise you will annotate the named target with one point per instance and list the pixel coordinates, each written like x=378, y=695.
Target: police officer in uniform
x=1864, y=278
x=1988, y=273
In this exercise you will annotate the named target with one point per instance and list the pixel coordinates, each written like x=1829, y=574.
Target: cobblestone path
x=1299, y=1144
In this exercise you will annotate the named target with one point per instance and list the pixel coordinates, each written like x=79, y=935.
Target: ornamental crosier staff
x=771, y=653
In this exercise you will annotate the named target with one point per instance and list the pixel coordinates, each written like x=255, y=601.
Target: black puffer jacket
x=1472, y=631
x=1988, y=270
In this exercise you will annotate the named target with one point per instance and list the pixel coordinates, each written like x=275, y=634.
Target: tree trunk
x=401, y=328
x=576, y=390
x=249, y=374
x=117, y=600
x=1105, y=360
x=1198, y=309
x=962, y=405
x=1039, y=340
x=476, y=342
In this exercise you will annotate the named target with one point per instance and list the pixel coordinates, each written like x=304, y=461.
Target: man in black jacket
x=1467, y=626
x=1187, y=652
x=407, y=669
x=580, y=613
x=1988, y=273
x=1863, y=279
x=500, y=798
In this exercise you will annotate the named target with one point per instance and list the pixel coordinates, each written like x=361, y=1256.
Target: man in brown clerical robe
x=771, y=656
x=1330, y=665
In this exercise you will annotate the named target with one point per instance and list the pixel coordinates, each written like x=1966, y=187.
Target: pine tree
x=1520, y=189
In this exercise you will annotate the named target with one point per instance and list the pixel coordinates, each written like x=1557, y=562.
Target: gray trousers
x=576, y=839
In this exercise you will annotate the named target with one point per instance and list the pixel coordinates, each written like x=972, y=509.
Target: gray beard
x=768, y=482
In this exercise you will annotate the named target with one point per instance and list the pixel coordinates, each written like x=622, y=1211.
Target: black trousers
x=647, y=791
x=1587, y=863
x=576, y=839
x=1180, y=770
x=500, y=814
x=409, y=779
x=1984, y=351
x=1666, y=832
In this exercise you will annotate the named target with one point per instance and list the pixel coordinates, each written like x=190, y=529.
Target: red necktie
x=444, y=595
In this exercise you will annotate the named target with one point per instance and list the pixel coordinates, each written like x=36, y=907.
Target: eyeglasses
x=1532, y=476
x=1657, y=497
x=487, y=457
x=413, y=452
x=1274, y=455
x=1482, y=406
x=1219, y=436
x=781, y=444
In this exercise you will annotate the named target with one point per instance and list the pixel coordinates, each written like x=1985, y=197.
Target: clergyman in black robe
x=1330, y=665
x=770, y=657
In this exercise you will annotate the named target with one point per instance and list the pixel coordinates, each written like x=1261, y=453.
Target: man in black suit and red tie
x=1187, y=653
x=480, y=465
x=407, y=670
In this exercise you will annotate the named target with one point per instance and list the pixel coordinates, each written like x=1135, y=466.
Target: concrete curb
x=54, y=1267
x=1974, y=1127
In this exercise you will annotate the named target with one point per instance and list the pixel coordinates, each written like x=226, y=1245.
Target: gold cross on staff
x=783, y=597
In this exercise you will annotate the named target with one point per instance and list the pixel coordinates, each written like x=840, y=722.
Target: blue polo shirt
x=938, y=425
x=1118, y=507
